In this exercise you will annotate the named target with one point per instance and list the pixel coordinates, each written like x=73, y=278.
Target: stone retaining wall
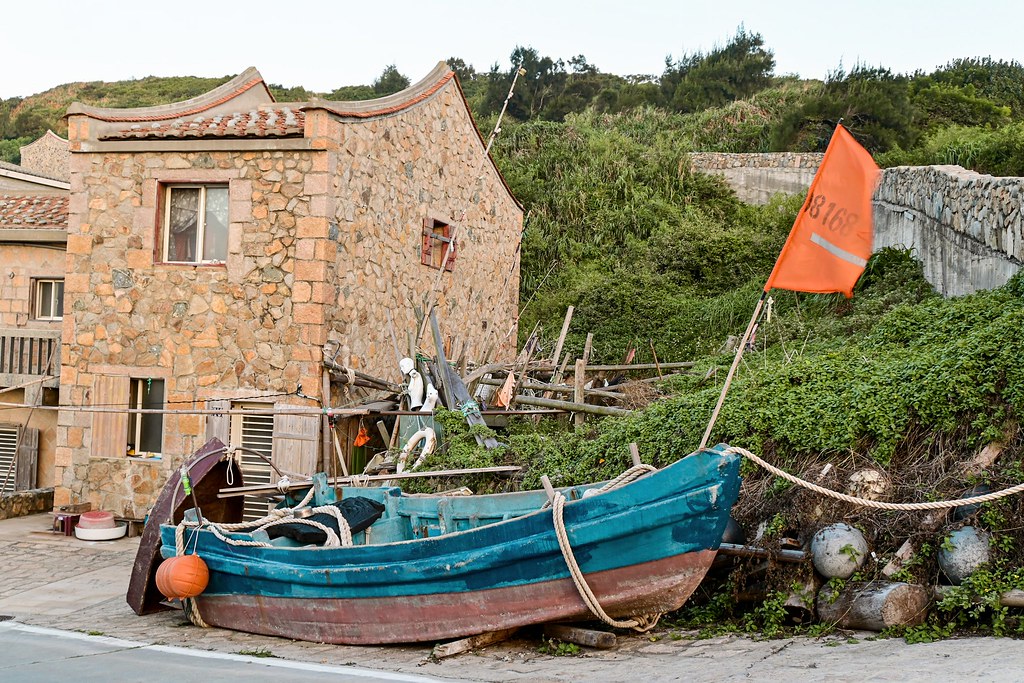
x=966, y=228
x=757, y=177
x=23, y=503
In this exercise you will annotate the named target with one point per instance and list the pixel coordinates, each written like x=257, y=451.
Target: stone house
x=216, y=246
x=33, y=232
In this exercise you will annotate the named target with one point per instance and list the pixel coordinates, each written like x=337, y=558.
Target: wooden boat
x=437, y=567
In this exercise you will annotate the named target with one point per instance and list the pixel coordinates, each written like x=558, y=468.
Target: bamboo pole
x=732, y=371
x=579, y=393
x=568, y=405
x=557, y=388
x=250, y=490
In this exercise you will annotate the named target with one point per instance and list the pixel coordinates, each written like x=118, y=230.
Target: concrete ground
x=58, y=582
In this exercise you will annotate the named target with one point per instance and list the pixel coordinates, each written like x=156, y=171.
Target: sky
x=322, y=45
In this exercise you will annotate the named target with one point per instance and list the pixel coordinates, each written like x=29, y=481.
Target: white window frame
x=200, y=222
x=54, y=299
x=255, y=469
x=136, y=418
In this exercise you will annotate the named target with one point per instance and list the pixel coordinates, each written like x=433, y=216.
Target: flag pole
x=732, y=370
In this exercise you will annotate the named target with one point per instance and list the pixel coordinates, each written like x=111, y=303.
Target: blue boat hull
x=644, y=548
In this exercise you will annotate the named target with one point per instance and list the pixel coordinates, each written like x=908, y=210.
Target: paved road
x=57, y=582
x=33, y=654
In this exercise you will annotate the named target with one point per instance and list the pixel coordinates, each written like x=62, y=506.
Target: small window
x=146, y=430
x=436, y=238
x=195, y=224
x=49, y=299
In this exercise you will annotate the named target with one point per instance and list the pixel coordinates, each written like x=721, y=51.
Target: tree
x=390, y=81
x=872, y=103
x=738, y=70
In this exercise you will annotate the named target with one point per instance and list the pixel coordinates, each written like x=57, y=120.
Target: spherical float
x=962, y=512
x=183, y=576
x=963, y=552
x=838, y=550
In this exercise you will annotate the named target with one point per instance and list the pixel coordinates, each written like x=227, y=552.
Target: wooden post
x=457, y=647
x=874, y=606
x=579, y=379
x=655, y=355
x=634, y=453
x=561, y=337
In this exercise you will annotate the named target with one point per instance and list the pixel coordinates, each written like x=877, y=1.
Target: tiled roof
x=21, y=169
x=34, y=211
x=281, y=122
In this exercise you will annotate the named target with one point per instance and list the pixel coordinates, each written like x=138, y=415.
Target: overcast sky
x=323, y=45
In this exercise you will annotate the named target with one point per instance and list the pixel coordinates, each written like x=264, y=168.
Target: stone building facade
x=33, y=232
x=318, y=219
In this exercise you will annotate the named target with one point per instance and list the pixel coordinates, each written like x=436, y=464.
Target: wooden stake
x=579, y=379
x=602, y=640
x=634, y=453
x=457, y=647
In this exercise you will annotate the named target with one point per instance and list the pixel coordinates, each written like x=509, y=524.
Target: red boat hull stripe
x=658, y=586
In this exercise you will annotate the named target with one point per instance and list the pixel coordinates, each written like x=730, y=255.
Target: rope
x=641, y=623
x=933, y=505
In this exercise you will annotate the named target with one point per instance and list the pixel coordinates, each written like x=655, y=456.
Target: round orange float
x=182, y=576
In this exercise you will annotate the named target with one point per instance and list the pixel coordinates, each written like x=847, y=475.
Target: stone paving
x=61, y=582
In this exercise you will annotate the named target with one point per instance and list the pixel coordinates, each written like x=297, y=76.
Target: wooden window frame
x=136, y=421
x=37, y=302
x=165, y=223
x=436, y=236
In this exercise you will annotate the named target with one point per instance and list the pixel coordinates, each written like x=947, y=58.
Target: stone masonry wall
x=432, y=155
x=24, y=503
x=208, y=331
x=966, y=228
x=49, y=155
x=756, y=177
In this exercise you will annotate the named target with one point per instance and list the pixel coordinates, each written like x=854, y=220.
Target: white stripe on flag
x=838, y=252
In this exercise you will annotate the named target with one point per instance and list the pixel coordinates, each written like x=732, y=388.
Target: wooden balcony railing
x=25, y=355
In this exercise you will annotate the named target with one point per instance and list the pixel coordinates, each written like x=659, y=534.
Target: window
x=195, y=224
x=146, y=430
x=49, y=299
x=436, y=238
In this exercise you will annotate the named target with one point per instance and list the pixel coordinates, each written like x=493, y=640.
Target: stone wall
x=48, y=155
x=432, y=154
x=757, y=177
x=966, y=228
x=24, y=503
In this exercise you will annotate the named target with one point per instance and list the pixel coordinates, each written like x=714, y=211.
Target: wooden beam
x=602, y=640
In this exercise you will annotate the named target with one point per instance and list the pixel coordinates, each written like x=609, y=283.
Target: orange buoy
x=182, y=576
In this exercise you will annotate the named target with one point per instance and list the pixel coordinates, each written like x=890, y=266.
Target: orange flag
x=832, y=236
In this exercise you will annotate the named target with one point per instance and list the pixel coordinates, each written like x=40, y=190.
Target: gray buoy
x=838, y=551
x=964, y=551
x=962, y=512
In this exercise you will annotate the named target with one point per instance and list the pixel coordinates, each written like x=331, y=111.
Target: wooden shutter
x=28, y=457
x=219, y=426
x=428, y=242
x=296, y=443
x=110, y=430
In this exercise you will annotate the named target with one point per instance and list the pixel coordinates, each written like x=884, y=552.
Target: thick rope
x=933, y=505
x=641, y=623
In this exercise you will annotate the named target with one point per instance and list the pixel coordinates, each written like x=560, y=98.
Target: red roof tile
x=34, y=211
x=282, y=122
